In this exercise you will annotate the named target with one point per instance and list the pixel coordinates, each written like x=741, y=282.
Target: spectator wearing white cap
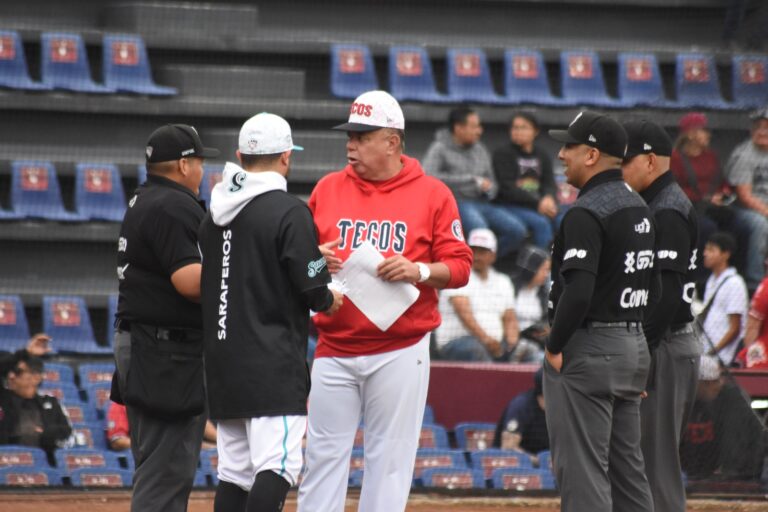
x=479, y=320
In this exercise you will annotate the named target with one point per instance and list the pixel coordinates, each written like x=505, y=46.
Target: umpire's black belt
x=161, y=333
x=630, y=326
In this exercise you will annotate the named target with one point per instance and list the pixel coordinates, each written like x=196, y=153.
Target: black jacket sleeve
x=56, y=426
x=660, y=316
x=572, y=307
x=507, y=172
x=547, y=184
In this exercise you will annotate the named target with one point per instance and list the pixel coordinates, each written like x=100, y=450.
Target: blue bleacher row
x=526, y=81
x=99, y=193
x=64, y=65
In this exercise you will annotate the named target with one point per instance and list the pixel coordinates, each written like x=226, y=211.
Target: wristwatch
x=424, y=272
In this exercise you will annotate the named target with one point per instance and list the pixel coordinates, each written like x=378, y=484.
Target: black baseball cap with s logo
x=175, y=141
x=595, y=130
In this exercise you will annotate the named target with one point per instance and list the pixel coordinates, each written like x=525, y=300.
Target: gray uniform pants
x=166, y=452
x=664, y=414
x=593, y=417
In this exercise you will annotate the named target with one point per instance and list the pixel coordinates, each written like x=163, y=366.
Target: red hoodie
x=410, y=214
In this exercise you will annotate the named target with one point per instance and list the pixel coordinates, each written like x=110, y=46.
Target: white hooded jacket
x=236, y=189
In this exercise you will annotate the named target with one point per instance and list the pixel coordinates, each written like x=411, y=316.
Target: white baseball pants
x=388, y=391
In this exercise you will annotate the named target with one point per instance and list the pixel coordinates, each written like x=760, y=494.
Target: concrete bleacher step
x=220, y=20
x=234, y=81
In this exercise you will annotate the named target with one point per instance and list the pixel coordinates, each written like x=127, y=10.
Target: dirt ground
x=202, y=501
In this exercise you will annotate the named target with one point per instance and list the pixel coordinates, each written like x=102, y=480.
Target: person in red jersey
x=361, y=372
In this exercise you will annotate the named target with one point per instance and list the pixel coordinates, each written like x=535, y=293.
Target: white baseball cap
x=482, y=237
x=373, y=110
x=266, y=134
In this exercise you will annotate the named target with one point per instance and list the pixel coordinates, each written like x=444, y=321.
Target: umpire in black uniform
x=158, y=331
x=597, y=358
x=674, y=349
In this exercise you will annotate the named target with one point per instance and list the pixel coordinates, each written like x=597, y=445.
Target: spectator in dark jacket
x=526, y=180
x=29, y=418
x=523, y=425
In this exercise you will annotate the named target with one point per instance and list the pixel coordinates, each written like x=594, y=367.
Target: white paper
x=382, y=302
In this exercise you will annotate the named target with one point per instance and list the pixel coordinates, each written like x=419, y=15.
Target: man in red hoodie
x=361, y=372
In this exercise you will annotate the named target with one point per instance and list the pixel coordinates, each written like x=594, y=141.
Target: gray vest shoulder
x=608, y=198
x=671, y=197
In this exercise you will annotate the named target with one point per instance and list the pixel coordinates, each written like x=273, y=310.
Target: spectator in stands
x=527, y=187
x=479, y=321
x=724, y=439
x=523, y=424
x=38, y=345
x=747, y=172
x=119, y=434
x=29, y=418
x=725, y=298
x=532, y=288
x=459, y=159
x=755, y=352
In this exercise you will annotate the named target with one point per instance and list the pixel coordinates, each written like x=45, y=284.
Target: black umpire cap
x=644, y=137
x=595, y=130
x=175, y=141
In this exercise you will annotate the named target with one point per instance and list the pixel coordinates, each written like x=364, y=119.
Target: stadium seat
x=14, y=330
x=98, y=394
x=433, y=436
x=545, y=460
x=526, y=79
x=64, y=64
x=522, y=479
x=472, y=437
x=8, y=214
x=488, y=460
x=58, y=372
x=72, y=459
x=411, y=76
x=352, y=70
x=141, y=173
x=126, y=66
x=90, y=435
x=356, y=478
x=356, y=460
x=453, y=478
x=209, y=460
x=469, y=76
x=111, y=314
x=35, y=191
x=23, y=476
x=639, y=81
x=14, y=73
x=99, y=192
x=201, y=479
x=80, y=412
x=90, y=373
x=22, y=456
x=427, y=458
x=211, y=176
x=581, y=76
x=697, y=82
x=63, y=391
x=101, y=477
x=429, y=415
x=66, y=320
x=750, y=88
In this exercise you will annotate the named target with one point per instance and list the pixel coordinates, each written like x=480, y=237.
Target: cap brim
x=356, y=127
x=563, y=136
x=297, y=148
x=209, y=153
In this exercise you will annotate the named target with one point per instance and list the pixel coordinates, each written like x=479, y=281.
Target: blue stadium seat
x=22, y=456
x=80, y=413
x=640, y=81
x=433, y=436
x=64, y=64
x=201, y=479
x=8, y=214
x=522, y=479
x=472, y=437
x=697, y=82
x=72, y=459
x=356, y=460
x=211, y=176
x=427, y=458
x=352, y=70
x=469, y=76
x=356, y=478
x=23, y=476
x=101, y=477
x=99, y=192
x=58, y=372
x=98, y=394
x=488, y=460
x=13, y=64
x=411, y=76
x=526, y=79
x=63, y=391
x=14, y=330
x=35, y=191
x=95, y=372
x=545, y=460
x=453, y=478
x=90, y=435
x=111, y=313
x=209, y=459
x=582, y=80
x=141, y=173
x=429, y=415
x=126, y=66
x=66, y=320
x=750, y=87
